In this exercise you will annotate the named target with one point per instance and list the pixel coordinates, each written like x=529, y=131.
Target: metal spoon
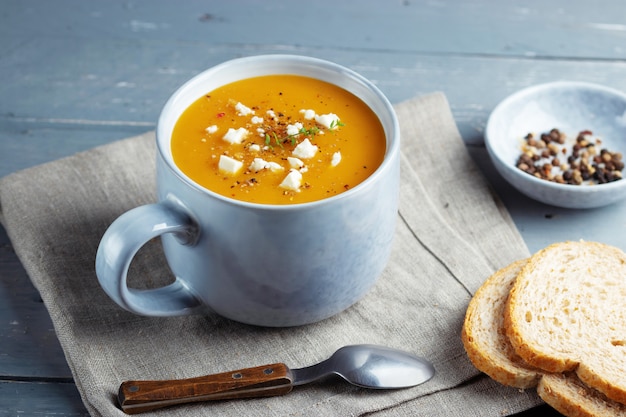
x=366, y=366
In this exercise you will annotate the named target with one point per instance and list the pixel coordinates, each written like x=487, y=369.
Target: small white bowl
x=570, y=107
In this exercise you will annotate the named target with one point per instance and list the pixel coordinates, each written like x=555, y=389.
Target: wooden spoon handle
x=261, y=381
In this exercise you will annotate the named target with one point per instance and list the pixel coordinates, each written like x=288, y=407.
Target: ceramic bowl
x=571, y=107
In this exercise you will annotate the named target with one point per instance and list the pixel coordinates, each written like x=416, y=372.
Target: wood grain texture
x=262, y=381
x=79, y=74
x=37, y=398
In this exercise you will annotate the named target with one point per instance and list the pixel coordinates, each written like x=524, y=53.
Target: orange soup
x=280, y=139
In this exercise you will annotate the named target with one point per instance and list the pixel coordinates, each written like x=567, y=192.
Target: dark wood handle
x=262, y=381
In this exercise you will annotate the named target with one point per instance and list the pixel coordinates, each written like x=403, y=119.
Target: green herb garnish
x=308, y=132
x=335, y=124
x=268, y=140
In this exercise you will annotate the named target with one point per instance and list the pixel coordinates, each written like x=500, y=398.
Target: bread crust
x=560, y=391
x=602, y=384
x=490, y=352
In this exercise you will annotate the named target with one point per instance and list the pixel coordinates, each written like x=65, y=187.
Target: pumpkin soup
x=278, y=139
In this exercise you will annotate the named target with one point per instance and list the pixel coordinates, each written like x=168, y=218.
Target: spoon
x=366, y=366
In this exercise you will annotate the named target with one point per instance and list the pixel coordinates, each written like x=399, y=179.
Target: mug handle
x=121, y=242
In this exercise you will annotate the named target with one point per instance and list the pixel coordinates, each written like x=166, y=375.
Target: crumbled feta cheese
x=295, y=162
x=211, y=129
x=256, y=120
x=336, y=159
x=274, y=166
x=308, y=114
x=327, y=120
x=271, y=114
x=243, y=110
x=305, y=149
x=254, y=147
x=229, y=165
x=294, y=129
x=235, y=135
x=292, y=181
x=257, y=165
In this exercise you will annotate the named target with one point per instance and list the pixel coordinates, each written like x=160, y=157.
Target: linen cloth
x=452, y=234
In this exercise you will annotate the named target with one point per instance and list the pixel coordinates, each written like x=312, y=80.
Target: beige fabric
x=452, y=234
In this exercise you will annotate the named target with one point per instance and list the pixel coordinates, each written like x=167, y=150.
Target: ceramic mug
x=267, y=265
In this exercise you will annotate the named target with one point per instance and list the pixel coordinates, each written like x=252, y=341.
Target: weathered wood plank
x=40, y=399
x=559, y=28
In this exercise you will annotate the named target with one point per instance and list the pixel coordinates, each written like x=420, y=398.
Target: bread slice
x=569, y=396
x=566, y=312
x=483, y=334
x=484, y=338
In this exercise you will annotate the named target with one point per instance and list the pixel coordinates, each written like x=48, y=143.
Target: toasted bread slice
x=484, y=337
x=566, y=312
x=569, y=396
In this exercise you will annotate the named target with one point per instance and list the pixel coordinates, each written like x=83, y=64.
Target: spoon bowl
x=370, y=366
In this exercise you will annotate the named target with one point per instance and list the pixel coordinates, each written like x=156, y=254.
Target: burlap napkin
x=452, y=234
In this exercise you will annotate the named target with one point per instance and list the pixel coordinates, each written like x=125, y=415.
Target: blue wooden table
x=76, y=74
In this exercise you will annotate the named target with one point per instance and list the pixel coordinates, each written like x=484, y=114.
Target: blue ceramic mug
x=267, y=265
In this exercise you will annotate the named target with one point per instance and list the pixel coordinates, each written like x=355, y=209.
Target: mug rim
x=172, y=106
